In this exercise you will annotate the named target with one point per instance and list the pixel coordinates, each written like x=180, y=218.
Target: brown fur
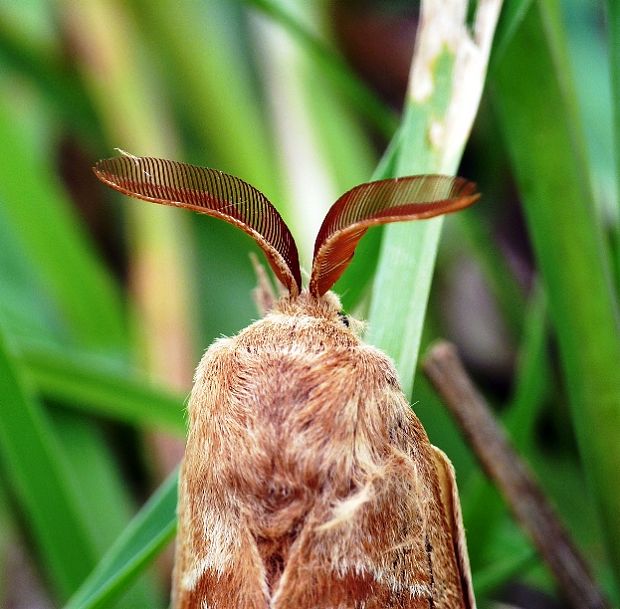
x=308, y=482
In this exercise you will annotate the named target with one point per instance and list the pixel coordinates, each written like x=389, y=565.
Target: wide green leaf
x=408, y=251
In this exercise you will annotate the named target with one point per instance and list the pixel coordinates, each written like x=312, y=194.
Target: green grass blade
x=492, y=577
x=103, y=495
x=57, y=82
x=33, y=465
x=146, y=535
x=533, y=376
x=513, y=13
x=548, y=156
x=440, y=88
x=408, y=251
x=44, y=221
x=334, y=67
x=215, y=86
x=406, y=265
x=37, y=318
x=41, y=216
x=101, y=387
x=613, y=17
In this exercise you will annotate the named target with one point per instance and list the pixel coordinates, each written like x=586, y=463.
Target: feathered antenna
x=210, y=192
x=394, y=200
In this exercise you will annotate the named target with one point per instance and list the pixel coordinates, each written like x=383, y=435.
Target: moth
x=307, y=482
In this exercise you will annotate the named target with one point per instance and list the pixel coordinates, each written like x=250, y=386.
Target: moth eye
x=343, y=318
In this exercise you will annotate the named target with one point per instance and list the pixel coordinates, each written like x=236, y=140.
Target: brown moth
x=308, y=482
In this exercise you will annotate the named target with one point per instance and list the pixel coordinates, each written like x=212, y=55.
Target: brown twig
x=512, y=476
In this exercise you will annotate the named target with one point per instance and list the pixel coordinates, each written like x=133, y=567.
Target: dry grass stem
x=512, y=476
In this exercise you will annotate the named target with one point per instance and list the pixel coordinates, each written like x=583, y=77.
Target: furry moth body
x=308, y=482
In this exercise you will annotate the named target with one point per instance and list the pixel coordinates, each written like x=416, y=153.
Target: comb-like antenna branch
x=210, y=192
x=394, y=200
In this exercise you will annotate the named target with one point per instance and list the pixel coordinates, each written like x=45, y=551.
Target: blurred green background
x=107, y=304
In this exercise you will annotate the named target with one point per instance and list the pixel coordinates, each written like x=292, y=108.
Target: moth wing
x=217, y=563
x=199, y=582
x=452, y=506
x=374, y=557
x=216, y=560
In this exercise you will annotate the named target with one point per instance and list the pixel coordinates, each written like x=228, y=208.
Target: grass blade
x=63, y=258
x=40, y=215
x=492, y=577
x=33, y=464
x=613, y=16
x=58, y=83
x=548, y=156
x=334, y=67
x=103, y=496
x=147, y=534
x=98, y=386
x=513, y=13
x=437, y=90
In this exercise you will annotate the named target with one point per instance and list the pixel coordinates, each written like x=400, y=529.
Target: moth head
x=322, y=308
x=231, y=199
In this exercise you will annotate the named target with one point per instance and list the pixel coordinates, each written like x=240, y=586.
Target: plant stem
x=512, y=476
